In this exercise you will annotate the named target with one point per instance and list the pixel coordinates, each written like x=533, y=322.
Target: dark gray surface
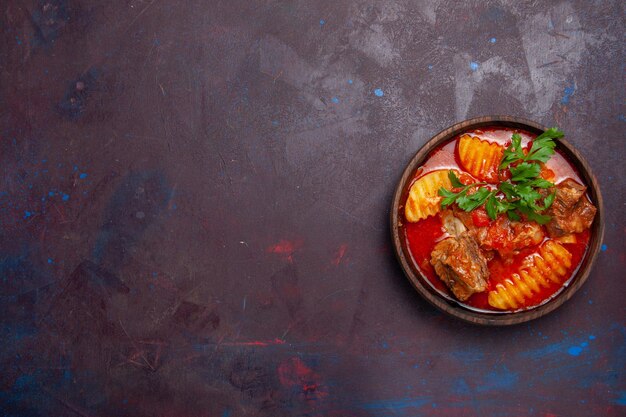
x=226, y=252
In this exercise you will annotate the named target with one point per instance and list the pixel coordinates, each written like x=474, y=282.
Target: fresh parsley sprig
x=495, y=206
x=524, y=198
x=541, y=149
x=465, y=201
x=519, y=195
x=525, y=171
x=543, y=146
x=513, y=152
x=463, y=198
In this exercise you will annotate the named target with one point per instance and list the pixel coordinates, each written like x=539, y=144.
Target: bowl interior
x=448, y=304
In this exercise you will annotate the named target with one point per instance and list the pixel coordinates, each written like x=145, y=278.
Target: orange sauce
x=422, y=236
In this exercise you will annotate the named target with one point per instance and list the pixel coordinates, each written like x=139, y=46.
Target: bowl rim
x=454, y=309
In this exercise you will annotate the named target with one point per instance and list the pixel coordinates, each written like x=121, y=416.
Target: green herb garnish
x=541, y=150
x=520, y=194
x=513, y=153
x=465, y=201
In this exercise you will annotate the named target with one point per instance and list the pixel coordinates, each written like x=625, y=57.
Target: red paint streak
x=285, y=248
x=293, y=372
x=261, y=343
x=340, y=254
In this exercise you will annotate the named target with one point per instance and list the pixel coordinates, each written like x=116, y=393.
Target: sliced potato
x=423, y=199
x=550, y=265
x=480, y=158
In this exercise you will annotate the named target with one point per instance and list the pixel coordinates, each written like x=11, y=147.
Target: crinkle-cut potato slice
x=480, y=158
x=549, y=266
x=423, y=199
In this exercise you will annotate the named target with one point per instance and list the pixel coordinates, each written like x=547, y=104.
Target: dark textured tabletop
x=194, y=206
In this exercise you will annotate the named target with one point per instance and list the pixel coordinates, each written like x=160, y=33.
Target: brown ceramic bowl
x=451, y=306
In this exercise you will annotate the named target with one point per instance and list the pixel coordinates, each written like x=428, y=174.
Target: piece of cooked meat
x=525, y=234
x=571, y=211
x=461, y=266
x=505, y=236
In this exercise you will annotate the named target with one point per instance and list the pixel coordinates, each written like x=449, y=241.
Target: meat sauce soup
x=504, y=270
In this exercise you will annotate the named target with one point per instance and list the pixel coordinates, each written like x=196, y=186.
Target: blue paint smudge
x=396, y=404
x=275, y=123
x=621, y=400
x=334, y=100
x=379, y=93
x=474, y=66
x=82, y=176
x=27, y=214
x=461, y=388
x=430, y=67
x=575, y=350
x=622, y=117
x=604, y=248
x=350, y=81
x=65, y=197
x=468, y=355
x=492, y=40
x=24, y=381
x=322, y=22
x=591, y=337
x=19, y=332
x=568, y=93
x=226, y=413
x=501, y=379
x=50, y=260
x=545, y=350
x=385, y=345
